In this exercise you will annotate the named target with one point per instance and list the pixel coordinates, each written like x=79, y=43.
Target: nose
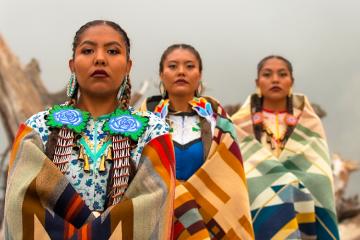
x=100, y=59
x=275, y=78
x=181, y=69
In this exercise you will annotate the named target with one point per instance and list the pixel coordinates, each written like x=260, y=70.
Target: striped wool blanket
x=291, y=196
x=214, y=203
x=41, y=204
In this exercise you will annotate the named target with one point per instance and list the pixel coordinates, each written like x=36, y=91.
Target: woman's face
x=274, y=80
x=100, y=62
x=181, y=73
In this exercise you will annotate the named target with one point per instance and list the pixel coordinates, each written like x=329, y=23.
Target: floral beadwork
x=68, y=116
x=162, y=109
x=126, y=124
x=202, y=107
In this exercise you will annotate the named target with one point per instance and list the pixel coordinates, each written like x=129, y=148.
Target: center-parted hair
x=184, y=46
x=265, y=59
x=257, y=102
x=125, y=99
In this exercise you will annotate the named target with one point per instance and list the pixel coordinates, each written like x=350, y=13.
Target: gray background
x=321, y=38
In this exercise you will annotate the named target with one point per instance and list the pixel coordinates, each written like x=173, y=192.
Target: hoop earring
x=258, y=92
x=162, y=90
x=200, y=89
x=122, y=88
x=71, y=86
x=290, y=92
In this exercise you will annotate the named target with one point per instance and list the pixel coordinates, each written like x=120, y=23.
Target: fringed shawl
x=291, y=196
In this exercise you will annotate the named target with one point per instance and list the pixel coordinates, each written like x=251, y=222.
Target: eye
x=266, y=74
x=172, y=66
x=190, y=66
x=113, y=51
x=283, y=74
x=87, y=51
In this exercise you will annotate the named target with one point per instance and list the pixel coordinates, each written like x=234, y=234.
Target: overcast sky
x=321, y=38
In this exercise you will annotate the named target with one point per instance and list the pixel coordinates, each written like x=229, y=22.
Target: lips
x=275, y=89
x=99, y=74
x=181, y=81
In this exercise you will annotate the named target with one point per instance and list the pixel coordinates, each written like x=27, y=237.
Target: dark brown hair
x=93, y=23
x=287, y=63
x=257, y=102
x=173, y=47
x=125, y=99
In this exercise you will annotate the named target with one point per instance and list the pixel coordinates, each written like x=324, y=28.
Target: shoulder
x=156, y=126
x=38, y=123
x=150, y=103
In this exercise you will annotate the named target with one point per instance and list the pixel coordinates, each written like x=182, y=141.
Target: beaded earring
x=290, y=92
x=71, y=86
x=200, y=89
x=162, y=90
x=258, y=92
x=122, y=88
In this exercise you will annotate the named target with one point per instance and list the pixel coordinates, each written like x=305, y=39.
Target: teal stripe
x=226, y=125
x=307, y=131
x=315, y=146
x=252, y=150
x=296, y=137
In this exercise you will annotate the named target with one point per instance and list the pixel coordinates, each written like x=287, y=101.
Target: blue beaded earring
x=122, y=88
x=71, y=86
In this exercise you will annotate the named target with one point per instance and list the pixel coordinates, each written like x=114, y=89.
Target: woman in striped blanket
x=211, y=196
x=286, y=159
x=92, y=168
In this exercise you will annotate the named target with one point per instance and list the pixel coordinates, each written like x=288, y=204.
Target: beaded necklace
x=122, y=127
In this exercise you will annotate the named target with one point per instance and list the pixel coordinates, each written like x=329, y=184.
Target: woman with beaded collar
x=92, y=168
x=211, y=197
x=286, y=159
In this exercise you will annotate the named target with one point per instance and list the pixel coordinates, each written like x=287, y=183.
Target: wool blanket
x=41, y=204
x=291, y=196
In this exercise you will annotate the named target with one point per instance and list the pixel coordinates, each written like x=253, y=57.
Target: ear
x=128, y=67
x=71, y=65
x=257, y=82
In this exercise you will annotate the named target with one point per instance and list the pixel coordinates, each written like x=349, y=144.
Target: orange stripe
x=232, y=161
x=83, y=235
x=70, y=231
x=22, y=132
x=205, y=204
x=151, y=153
x=212, y=186
x=244, y=221
x=74, y=206
x=182, y=199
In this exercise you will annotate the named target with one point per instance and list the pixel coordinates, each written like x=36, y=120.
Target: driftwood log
x=22, y=93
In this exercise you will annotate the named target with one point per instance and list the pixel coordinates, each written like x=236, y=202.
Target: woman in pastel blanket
x=286, y=158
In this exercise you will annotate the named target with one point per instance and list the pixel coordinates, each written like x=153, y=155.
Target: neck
x=278, y=105
x=180, y=103
x=97, y=106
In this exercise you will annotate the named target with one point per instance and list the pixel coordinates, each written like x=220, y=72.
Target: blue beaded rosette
x=126, y=124
x=67, y=116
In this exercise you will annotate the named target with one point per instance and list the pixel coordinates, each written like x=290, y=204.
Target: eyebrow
x=176, y=61
x=106, y=44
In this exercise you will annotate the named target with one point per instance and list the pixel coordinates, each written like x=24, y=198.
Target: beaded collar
x=121, y=122
x=200, y=105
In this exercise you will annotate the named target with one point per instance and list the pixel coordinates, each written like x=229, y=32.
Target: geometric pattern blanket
x=291, y=196
x=40, y=203
x=213, y=203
